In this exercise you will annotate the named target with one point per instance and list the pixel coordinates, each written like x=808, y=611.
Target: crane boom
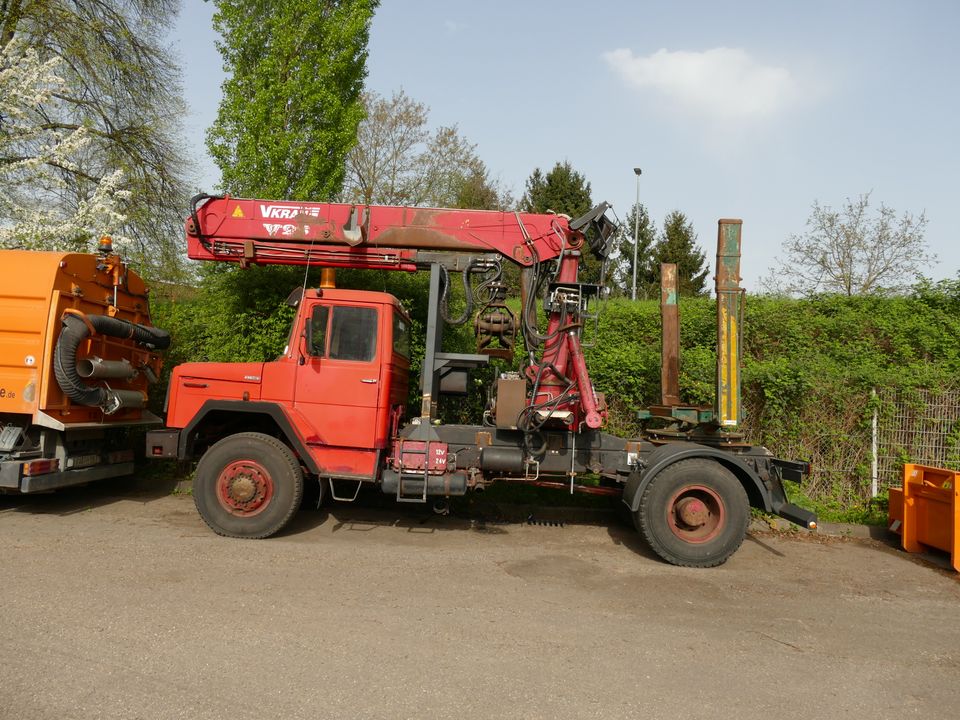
x=378, y=236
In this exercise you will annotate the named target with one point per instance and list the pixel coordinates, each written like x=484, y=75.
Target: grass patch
x=871, y=512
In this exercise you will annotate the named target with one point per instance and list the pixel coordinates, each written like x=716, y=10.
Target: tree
x=398, y=160
x=678, y=244
x=382, y=167
x=565, y=191
x=117, y=86
x=34, y=158
x=853, y=252
x=291, y=103
x=622, y=255
x=480, y=191
x=288, y=117
x=561, y=190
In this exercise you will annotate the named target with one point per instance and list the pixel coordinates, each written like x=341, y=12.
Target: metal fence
x=857, y=446
x=918, y=426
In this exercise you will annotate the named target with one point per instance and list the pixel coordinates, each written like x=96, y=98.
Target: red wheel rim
x=696, y=514
x=244, y=488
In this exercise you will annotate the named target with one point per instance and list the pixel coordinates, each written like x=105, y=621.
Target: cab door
x=338, y=386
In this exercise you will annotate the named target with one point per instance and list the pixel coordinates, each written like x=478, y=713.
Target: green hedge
x=809, y=367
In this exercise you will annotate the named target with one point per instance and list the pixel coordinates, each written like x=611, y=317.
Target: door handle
x=369, y=381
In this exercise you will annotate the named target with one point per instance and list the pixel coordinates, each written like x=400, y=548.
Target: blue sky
x=736, y=109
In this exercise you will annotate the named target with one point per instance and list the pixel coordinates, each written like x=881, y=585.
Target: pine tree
x=678, y=244
x=622, y=257
x=562, y=190
x=565, y=191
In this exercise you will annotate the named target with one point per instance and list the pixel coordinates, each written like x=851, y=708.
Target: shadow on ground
x=473, y=513
x=80, y=498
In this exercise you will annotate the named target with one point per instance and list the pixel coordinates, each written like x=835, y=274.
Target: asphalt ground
x=118, y=602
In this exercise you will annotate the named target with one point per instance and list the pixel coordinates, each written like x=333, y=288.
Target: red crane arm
x=366, y=236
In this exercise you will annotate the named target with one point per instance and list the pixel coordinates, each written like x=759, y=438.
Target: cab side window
x=318, y=331
x=353, y=333
x=401, y=335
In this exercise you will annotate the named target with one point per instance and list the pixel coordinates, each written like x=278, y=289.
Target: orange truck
x=77, y=355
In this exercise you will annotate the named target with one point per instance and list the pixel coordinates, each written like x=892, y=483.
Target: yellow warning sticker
x=238, y=213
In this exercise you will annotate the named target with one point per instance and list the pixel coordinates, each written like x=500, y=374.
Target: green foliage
x=561, y=190
x=944, y=294
x=565, y=191
x=861, y=511
x=809, y=367
x=235, y=316
x=291, y=103
x=678, y=244
x=637, y=223
x=624, y=358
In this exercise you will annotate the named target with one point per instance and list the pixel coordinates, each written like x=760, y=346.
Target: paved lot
x=121, y=604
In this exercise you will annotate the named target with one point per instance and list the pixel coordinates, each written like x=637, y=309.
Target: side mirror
x=294, y=298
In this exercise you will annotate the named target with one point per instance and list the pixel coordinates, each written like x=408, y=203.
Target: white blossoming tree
x=38, y=159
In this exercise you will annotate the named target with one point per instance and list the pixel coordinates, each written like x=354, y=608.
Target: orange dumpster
x=928, y=508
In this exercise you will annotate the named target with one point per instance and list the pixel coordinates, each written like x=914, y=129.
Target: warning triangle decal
x=238, y=213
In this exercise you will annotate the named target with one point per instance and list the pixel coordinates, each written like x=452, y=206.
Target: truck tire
x=248, y=485
x=694, y=513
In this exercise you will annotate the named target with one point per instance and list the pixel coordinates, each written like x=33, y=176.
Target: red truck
x=332, y=408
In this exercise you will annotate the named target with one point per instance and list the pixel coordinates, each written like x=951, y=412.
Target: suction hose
x=75, y=330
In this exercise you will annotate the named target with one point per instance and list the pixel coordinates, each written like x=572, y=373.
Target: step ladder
x=414, y=477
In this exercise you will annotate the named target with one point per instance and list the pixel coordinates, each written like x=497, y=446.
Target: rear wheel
x=694, y=513
x=248, y=485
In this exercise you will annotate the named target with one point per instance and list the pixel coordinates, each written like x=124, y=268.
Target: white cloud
x=453, y=27
x=722, y=83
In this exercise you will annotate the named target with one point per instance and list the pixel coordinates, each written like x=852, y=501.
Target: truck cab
x=340, y=387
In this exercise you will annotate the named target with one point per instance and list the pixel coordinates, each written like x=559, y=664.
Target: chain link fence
x=834, y=437
x=917, y=426
x=857, y=446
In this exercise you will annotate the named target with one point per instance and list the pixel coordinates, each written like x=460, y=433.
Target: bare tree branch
x=853, y=252
x=398, y=161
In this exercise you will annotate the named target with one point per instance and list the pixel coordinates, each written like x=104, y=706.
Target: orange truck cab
x=338, y=391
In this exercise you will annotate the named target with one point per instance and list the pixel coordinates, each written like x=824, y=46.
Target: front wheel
x=694, y=513
x=248, y=485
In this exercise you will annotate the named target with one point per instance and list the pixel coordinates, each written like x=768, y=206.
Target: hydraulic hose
x=194, y=205
x=445, y=294
x=75, y=330
x=468, y=293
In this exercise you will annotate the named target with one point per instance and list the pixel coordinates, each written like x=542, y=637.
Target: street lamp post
x=636, y=234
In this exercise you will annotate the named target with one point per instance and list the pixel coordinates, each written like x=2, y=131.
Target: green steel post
x=729, y=325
